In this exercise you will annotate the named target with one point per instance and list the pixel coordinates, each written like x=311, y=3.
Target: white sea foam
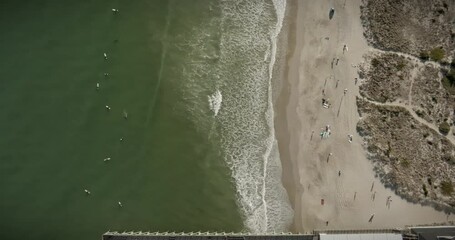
x=239, y=62
x=215, y=101
x=251, y=148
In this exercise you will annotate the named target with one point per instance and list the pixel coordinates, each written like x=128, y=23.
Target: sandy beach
x=332, y=169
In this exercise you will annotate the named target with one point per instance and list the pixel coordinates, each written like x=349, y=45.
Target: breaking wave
x=215, y=102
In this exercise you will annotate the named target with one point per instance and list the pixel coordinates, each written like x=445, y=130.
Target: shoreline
x=345, y=178
x=286, y=45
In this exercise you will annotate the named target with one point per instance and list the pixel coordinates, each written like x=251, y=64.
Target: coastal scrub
x=437, y=54
x=446, y=188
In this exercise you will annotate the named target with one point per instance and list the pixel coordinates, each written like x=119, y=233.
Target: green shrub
x=401, y=65
x=405, y=163
x=446, y=187
x=444, y=128
x=450, y=87
x=437, y=54
x=448, y=81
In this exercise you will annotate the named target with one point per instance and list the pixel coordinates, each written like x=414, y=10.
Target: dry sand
x=308, y=176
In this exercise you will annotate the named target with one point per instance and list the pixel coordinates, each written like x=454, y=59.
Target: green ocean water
x=55, y=130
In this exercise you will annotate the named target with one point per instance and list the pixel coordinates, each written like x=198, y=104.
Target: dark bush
x=446, y=187
x=420, y=113
x=451, y=77
x=424, y=55
x=401, y=65
x=444, y=128
x=404, y=163
x=448, y=81
x=375, y=62
x=449, y=158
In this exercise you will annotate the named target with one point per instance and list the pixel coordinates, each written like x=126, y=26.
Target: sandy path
x=449, y=137
x=318, y=41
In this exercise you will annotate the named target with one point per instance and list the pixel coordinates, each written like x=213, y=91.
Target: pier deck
x=413, y=233
x=197, y=236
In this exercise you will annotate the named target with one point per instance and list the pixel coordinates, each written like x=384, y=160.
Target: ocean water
x=197, y=150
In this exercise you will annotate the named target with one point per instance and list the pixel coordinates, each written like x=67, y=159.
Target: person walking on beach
x=355, y=195
x=337, y=61
x=331, y=13
x=345, y=48
x=339, y=173
x=355, y=81
x=388, y=201
x=371, y=218
x=345, y=91
x=328, y=157
x=337, y=83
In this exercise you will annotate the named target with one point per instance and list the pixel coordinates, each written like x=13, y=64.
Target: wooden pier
x=204, y=236
x=413, y=233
